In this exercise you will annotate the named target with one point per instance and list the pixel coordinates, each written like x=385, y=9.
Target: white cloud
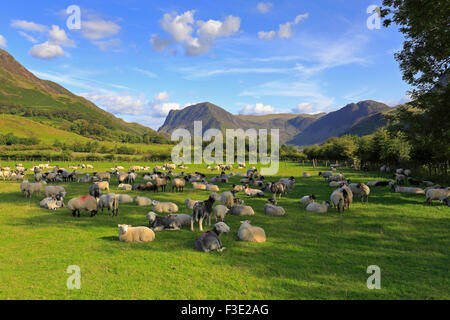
x=284, y=30
x=59, y=36
x=29, y=26
x=180, y=27
x=145, y=72
x=99, y=29
x=304, y=107
x=257, y=109
x=117, y=104
x=158, y=43
x=28, y=37
x=264, y=7
x=160, y=105
x=46, y=51
x=107, y=44
x=2, y=41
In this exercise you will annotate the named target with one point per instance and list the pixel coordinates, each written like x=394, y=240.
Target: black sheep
x=202, y=211
x=94, y=191
x=210, y=241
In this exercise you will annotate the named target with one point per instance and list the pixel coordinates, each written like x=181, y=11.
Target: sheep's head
x=222, y=227
x=154, y=202
x=328, y=203
x=246, y=222
x=151, y=216
x=313, y=197
x=123, y=228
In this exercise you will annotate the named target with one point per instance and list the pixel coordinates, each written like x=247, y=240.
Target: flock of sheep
x=161, y=178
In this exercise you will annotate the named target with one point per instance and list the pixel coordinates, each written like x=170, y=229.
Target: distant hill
x=24, y=94
x=295, y=129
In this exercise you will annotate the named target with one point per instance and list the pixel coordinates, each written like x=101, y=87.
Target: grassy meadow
x=306, y=256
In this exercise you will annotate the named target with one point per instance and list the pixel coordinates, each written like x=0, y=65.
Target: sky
x=141, y=59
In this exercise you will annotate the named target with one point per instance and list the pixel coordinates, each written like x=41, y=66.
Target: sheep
x=399, y=171
x=170, y=166
x=247, y=232
x=272, y=209
x=446, y=201
x=178, y=184
x=143, y=201
x=86, y=203
x=94, y=191
x=198, y=186
x=276, y=188
x=220, y=211
x=307, y=199
x=437, y=194
x=170, y=222
x=210, y=241
x=399, y=189
x=103, y=176
x=253, y=192
x=110, y=201
x=338, y=183
x=190, y=203
x=361, y=190
x=326, y=174
x=318, y=207
x=399, y=178
x=52, y=203
x=227, y=199
x=212, y=187
x=241, y=211
x=384, y=169
x=85, y=179
x=17, y=177
x=238, y=201
x=103, y=185
x=427, y=183
x=125, y=198
x=238, y=188
x=54, y=191
x=28, y=189
x=161, y=183
x=348, y=196
x=164, y=207
x=289, y=183
x=306, y=175
x=125, y=187
x=407, y=172
x=127, y=233
x=413, y=182
x=202, y=211
x=338, y=198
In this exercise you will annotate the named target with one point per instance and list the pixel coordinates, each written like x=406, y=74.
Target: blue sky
x=140, y=59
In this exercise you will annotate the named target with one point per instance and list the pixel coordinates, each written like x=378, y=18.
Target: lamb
x=125, y=198
x=54, y=191
x=28, y=189
x=399, y=189
x=307, y=199
x=241, y=211
x=86, y=203
x=164, y=207
x=143, y=201
x=220, y=211
x=253, y=192
x=210, y=241
x=109, y=201
x=178, y=184
x=94, y=191
x=103, y=185
x=247, y=232
x=437, y=194
x=202, y=211
x=318, y=207
x=361, y=190
x=52, y=203
x=127, y=233
x=190, y=203
x=85, y=179
x=170, y=222
x=272, y=209
x=227, y=199
x=199, y=186
x=126, y=187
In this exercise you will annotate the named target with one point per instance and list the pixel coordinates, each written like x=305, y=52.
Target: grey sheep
x=54, y=191
x=220, y=211
x=242, y=211
x=360, y=190
x=109, y=201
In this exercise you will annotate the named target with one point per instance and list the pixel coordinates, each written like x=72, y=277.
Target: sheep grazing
x=399, y=178
x=198, y=186
x=164, y=207
x=318, y=207
x=437, y=194
x=54, y=191
x=253, y=192
x=103, y=185
x=276, y=188
x=399, y=171
x=94, y=191
x=178, y=184
x=143, y=201
x=190, y=203
x=109, y=201
x=272, y=209
x=399, y=189
x=360, y=190
x=126, y=187
x=202, y=210
x=125, y=198
x=170, y=222
x=241, y=211
x=52, y=203
x=210, y=240
x=220, y=212
x=28, y=189
x=86, y=203
x=227, y=199
x=128, y=233
x=339, y=198
x=307, y=199
x=247, y=232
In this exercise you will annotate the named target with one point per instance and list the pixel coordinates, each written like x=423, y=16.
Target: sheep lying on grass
x=164, y=207
x=54, y=191
x=253, y=192
x=128, y=233
x=238, y=188
x=86, y=203
x=272, y=209
x=52, y=203
x=126, y=187
x=306, y=175
x=142, y=201
x=241, y=211
x=307, y=199
x=210, y=241
x=170, y=222
x=109, y=201
x=360, y=190
x=399, y=189
x=437, y=194
x=198, y=186
x=227, y=198
x=212, y=187
x=318, y=207
x=220, y=211
x=125, y=198
x=247, y=232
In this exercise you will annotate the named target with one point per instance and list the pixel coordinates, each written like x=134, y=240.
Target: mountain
x=298, y=129
x=22, y=93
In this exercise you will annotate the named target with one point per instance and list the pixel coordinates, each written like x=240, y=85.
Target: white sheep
x=103, y=185
x=272, y=209
x=143, y=201
x=54, y=191
x=318, y=207
x=241, y=211
x=212, y=187
x=199, y=186
x=399, y=189
x=307, y=199
x=361, y=190
x=128, y=233
x=51, y=203
x=227, y=199
x=247, y=232
x=306, y=175
x=164, y=207
x=220, y=211
x=437, y=194
x=124, y=186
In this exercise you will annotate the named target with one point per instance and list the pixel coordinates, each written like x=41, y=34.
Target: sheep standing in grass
x=164, y=207
x=210, y=240
x=399, y=178
x=241, y=211
x=86, y=203
x=94, y=191
x=143, y=201
x=103, y=185
x=28, y=189
x=339, y=198
x=202, y=211
x=289, y=183
x=318, y=207
x=247, y=232
x=54, y=191
x=227, y=199
x=307, y=199
x=360, y=190
x=128, y=233
x=276, y=188
x=178, y=184
x=109, y=201
x=220, y=212
x=272, y=209
x=437, y=194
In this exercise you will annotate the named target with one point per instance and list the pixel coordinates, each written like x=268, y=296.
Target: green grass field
x=306, y=256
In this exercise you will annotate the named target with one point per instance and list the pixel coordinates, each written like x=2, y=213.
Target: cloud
x=98, y=29
x=264, y=7
x=46, y=51
x=160, y=105
x=59, y=36
x=117, y=103
x=145, y=72
x=197, y=37
x=284, y=30
x=2, y=41
x=107, y=44
x=304, y=107
x=28, y=26
x=28, y=37
x=257, y=109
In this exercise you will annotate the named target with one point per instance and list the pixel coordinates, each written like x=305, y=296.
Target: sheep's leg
x=201, y=224
x=192, y=224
